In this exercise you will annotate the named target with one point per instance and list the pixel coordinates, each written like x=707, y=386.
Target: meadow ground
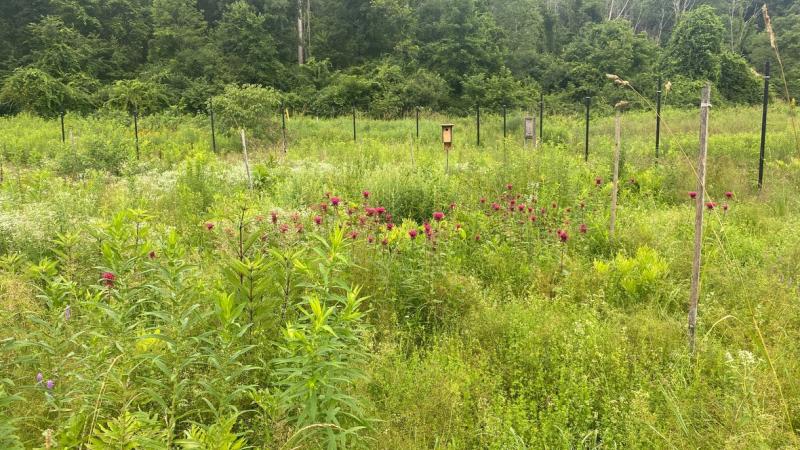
x=161, y=303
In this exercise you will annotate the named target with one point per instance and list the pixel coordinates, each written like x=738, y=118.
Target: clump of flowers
x=108, y=278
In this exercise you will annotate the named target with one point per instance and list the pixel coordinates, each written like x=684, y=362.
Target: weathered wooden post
x=694, y=296
x=763, y=127
x=620, y=107
x=246, y=159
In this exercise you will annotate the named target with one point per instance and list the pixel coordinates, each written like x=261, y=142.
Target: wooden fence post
x=705, y=104
x=246, y=159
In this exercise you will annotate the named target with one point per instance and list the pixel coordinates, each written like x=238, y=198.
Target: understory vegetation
x=358, y=296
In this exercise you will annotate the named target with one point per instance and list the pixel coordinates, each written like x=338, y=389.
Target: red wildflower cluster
x=108, y=278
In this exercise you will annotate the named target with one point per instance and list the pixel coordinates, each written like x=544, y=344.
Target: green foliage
x=33, y=90
x=171, y=306
x=129, y=431
x=136, y=96
x=633, y=280
x=250, y=107
x=322, y=351
x=695, y=46
x=738, y=82
x=8, y=437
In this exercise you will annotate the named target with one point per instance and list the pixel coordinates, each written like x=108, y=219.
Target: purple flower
x=67, y=312
x=50, y=385
x=39, y=377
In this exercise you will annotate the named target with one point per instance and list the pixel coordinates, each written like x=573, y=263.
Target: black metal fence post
x=417, y=122
x=478, y=122
x=213, y=126
x=658, y=117
x=541, y=116
x=63, y=133
x=136, y=131
x=586, y=148
x=763, y=127
x=505, y=133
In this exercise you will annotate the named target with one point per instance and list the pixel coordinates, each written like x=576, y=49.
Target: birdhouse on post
x=447, y=136
x=530, y=130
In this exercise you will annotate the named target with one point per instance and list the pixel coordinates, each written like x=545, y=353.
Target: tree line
x=386, y=57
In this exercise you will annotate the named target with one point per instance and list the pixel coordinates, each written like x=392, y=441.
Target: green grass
x=493, y=334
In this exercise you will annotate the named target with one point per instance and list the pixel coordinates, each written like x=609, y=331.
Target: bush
x=738, y=82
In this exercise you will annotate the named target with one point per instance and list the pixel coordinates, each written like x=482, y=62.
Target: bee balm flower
x=438, y=216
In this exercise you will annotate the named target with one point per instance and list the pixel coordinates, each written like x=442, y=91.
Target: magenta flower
x=209, y=226
x=412, y=233
x=365, y=194
x=380, y=210
x=495, y=207
x=390, y=226
x=370, y=211
x=583, y=228
x=729, y=195
x=353, y=234
x=108, y=278
x=335, y=201
x=438, y=216
x=563, y=235
x=710, y=205
x=692, y=194
x=318, y=220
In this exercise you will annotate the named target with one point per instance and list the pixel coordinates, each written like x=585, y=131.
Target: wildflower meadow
x=362, y=294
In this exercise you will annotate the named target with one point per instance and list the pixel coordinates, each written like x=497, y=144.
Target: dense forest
x=384, y=56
